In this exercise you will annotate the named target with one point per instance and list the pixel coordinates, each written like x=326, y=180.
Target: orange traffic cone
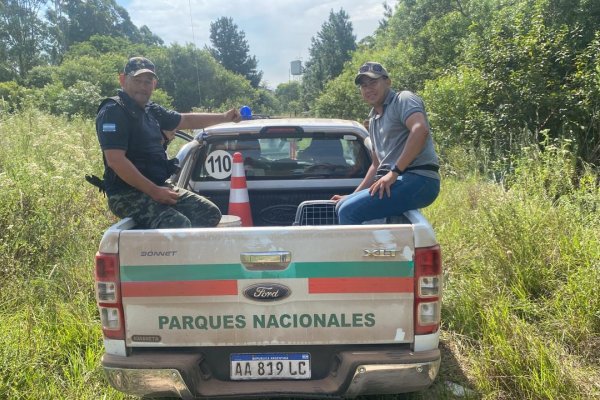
x=239, y=204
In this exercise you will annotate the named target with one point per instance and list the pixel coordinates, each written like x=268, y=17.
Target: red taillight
x=107, y=266
x=428, y=289
x=108, y=296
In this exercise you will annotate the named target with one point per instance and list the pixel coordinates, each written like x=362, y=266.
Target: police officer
x=129, y=128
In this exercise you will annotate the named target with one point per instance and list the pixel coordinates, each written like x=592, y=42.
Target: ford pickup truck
x=293, y=306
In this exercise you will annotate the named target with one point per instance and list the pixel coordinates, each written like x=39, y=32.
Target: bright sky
x=277, y=31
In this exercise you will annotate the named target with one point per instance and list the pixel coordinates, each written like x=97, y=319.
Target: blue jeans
x=409, y=192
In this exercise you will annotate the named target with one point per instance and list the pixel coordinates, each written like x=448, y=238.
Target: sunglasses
x=143, y=81
x=368, y=83
x=377, y=68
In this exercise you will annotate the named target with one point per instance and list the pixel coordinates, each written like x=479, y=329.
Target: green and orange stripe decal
x=221, y=279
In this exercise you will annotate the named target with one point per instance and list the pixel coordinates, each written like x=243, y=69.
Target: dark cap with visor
x=139, y=65
x=371, y=69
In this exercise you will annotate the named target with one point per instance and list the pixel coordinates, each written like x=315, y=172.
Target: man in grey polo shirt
x=404, y=173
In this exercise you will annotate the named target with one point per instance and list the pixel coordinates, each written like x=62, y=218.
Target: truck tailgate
x=268, y=286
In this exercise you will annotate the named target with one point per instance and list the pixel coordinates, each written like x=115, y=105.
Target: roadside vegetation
x=512, y=91
x=522, y=266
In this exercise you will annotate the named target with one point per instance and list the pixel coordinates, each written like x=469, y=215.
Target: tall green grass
x=521, y=319
x=51, y=221
x=522, y=270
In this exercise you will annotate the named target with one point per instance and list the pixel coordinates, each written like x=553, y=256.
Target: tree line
x=63, y=56
x=498, y=76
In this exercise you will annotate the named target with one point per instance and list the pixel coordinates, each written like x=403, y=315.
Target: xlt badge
x=379, y=253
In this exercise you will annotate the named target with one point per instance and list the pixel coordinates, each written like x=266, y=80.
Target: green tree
x=12, y=96
x=586, y=96
x=101, y=71
x=423, y=39
x=22, y=36
x=76, y=21
x=195, y=80
x=230, y=49
x=289, y=96
x=187, y=76
x=341, y=98
x=330, y=49
x=6, y=72
x=527, y=60
x=266, y=102
x=81, y=98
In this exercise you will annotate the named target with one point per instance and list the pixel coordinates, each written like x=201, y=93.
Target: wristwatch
x=397, y=170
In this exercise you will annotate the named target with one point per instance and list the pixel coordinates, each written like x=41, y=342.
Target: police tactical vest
x=155, y=167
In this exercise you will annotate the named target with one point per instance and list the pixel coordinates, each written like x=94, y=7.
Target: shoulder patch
x=109, y=128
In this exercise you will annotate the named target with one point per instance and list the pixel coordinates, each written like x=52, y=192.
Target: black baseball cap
x=139, y=65
x=371, y=69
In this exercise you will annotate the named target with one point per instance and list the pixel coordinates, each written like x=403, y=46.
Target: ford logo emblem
x=267, y=292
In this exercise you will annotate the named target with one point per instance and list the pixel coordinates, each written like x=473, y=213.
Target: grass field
x=521, y=314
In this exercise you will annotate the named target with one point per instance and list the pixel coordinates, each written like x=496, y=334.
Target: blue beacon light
x=246, y=112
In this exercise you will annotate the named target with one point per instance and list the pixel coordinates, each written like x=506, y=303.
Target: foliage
x=194, y=79
x=330, y=49
x=586, y=101
x=512, y=91
x=230, y=49
x=81, y=98
x=76, y=21
x=101, y=71
x=42, y=193
x=289, y=96
x=455, y=113
x=518, y=277
x=521, y=267
x=266, y=101
x=51, y=219
x=22, y=34
x=161, y=97
x=189, y=78
x=341, y=99
x=494, y=74
x=12, y=96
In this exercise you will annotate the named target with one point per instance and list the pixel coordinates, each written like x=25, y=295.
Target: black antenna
x=195, y=58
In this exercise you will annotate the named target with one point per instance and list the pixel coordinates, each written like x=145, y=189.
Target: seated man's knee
x=171, y=219
x=207, y=216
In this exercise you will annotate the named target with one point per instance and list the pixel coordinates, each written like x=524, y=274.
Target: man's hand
x=383, y=185
x=164, y=195
x=337, y=197
x=202, y=120
x=168, y=136
x=232, y=115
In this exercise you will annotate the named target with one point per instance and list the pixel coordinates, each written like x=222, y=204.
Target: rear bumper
x=354, y=373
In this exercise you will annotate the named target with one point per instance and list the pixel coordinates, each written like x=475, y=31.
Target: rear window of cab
x=271, y=158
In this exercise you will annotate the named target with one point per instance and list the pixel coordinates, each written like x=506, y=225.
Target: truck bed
x=198, y=302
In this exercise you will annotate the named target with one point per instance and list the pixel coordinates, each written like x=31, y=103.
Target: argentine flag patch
x=109, y=127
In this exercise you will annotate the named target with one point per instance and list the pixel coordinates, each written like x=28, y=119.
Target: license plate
x=270, y=366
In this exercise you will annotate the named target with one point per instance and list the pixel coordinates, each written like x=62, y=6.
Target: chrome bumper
x=366, y=379
x=392, y=378
x=148, y=382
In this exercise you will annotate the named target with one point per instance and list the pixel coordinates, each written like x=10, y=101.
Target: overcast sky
x=277, y=31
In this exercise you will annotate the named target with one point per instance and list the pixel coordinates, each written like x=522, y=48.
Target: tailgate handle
x=266, y=261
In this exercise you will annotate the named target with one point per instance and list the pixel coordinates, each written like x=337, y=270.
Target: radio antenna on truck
x=195, y=58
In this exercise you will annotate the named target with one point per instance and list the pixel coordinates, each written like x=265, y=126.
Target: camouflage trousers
x=191, y=210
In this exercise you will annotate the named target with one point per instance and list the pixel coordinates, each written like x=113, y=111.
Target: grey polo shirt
x=389, y=133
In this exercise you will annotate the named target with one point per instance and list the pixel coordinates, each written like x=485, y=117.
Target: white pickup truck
x=293, y=306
